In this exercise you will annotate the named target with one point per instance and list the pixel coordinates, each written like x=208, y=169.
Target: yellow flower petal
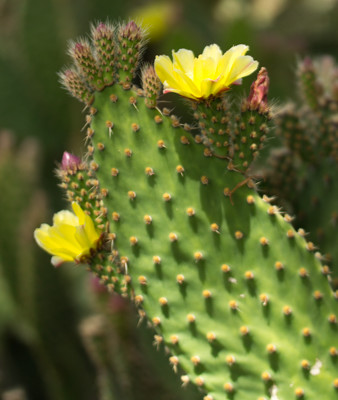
x=164, y=67
x=207, y=75
x=187, y=85
x=57, y=261
x=229, y=57
x=82, y=239
x=56, y=242
x=41, y=237
x=63, y=238
x=70, y=237
x=65, y=217
x=204, y=68
x=63, y=254
x=90, y=230
x=207, y=87
x=183, y=59
x=243, y=66
x=79, y=213
x=212, y=51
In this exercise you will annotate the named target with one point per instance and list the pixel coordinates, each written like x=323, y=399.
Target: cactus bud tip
x=259, y=90
x=69, y=161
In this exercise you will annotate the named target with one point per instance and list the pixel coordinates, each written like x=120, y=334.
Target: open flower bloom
x=71, y=237
x=207, y=75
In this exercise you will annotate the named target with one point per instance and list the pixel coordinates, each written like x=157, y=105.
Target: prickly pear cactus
x=304, y=173
x=229, y=287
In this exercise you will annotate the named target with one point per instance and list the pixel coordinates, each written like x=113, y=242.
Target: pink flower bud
x=131, y=27
x=69, y=161
x=101, y=27
x=79, y=47
x=102, y=31
x=80, y=50
x=259, y=90
x=131, y=31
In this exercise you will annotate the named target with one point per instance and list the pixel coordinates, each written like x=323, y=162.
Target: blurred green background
x=61, y=335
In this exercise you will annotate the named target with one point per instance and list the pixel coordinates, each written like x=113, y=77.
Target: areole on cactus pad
x=229, y=287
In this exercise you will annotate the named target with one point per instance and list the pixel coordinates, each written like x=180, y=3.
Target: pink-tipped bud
x=131, y=27
x=258, y=96
x=101, y=27
x=129, y=45
x=79, y=47
x=103, y=31
x=103, y=39
x=83, y=55
x=131, y=31
x=69, y=161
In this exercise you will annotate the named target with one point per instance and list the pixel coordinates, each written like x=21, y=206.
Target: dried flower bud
x=259, y=91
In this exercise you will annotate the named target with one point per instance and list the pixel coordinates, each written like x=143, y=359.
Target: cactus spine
x=230, y=288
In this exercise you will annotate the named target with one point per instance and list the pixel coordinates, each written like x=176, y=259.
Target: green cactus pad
x=245, y=280
x=229, y=287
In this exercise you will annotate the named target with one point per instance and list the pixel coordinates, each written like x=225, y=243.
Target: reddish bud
x=69, y=161
x=101, y=27
x=131, y=27
x=102, y=31
x=259, y=90
x=131, y=31
x=83, y=55
x=79, y=47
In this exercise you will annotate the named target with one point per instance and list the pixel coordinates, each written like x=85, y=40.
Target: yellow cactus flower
x=72, y=236
x=207, y=75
